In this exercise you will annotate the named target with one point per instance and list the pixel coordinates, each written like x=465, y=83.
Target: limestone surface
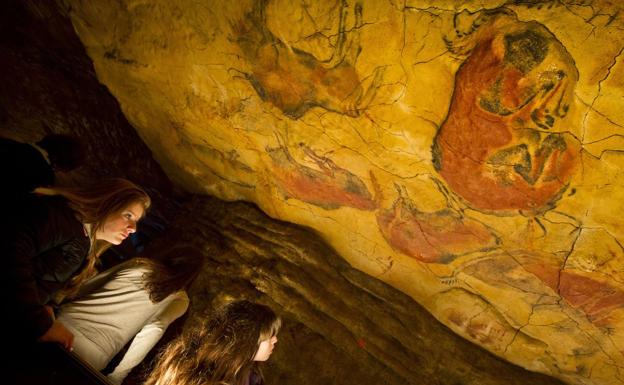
x=467, y=153
x=340, y=326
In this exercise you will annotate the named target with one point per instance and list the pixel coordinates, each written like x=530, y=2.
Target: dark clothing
x=22, y=169
x=45, y=245
x=254, y=378
x=46, y=364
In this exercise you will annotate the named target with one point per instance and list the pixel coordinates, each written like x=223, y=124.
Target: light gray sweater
x=112, y=309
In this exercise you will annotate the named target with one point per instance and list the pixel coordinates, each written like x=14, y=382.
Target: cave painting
x=437, y=237
x=330, y=187
x=533, y=272
x=512, y=197
x=505, y=145
x=294, y=80
x=597, y=299
x=475, y=317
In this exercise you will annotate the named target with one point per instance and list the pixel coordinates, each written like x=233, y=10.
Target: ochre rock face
x=469, y=157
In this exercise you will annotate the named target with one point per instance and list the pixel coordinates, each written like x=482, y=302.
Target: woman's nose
x=132, y=227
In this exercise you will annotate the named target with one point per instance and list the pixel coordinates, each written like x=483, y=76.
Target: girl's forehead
x=136, y=208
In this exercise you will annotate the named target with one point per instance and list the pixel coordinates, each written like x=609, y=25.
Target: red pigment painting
x=436, y=237
x=505, y=144
x=329, y=187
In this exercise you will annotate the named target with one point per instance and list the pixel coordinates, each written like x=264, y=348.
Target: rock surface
x=467, y=158
x=466, y=153
x=49, y=86
x=341, y=326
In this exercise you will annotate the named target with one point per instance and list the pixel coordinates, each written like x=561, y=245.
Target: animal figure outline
x=294, y=80
x=329, y=186
x=504, y=146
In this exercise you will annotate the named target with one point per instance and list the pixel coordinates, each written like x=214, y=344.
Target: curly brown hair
x=221, y=350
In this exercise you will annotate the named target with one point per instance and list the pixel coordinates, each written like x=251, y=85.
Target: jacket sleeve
x=170, y=309
x=57, y=266
x=30, y=315
x=45, y=247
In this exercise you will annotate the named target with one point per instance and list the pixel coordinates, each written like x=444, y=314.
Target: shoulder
x=53, y=216
x=47, y=202
x=130, y=270
x=177, y=302
x=179, y=297
x=56, y=207
x=35, y=207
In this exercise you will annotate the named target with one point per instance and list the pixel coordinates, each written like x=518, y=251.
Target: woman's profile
x=52, y=240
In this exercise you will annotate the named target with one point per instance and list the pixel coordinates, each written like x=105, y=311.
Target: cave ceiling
x=467, y=153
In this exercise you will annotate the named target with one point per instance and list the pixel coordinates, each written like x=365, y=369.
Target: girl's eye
x=128, y=216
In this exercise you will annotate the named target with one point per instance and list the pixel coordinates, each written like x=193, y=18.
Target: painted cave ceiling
x=467, y=153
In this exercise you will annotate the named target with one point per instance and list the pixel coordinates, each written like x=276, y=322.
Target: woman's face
x=265, y=349
x=120, y=225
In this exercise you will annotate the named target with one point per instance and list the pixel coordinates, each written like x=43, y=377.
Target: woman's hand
x=50, y=311
x=59, y=334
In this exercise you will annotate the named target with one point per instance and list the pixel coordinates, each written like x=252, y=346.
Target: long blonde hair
x=93, y=205
x=220, y=351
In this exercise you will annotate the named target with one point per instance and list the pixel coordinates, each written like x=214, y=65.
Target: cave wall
x=341, y=326
x=466, y=153
x=356, y=125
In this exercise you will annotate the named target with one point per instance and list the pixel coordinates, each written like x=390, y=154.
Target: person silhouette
x=26, y=166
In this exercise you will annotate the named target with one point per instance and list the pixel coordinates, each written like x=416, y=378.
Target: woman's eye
x=128, y=216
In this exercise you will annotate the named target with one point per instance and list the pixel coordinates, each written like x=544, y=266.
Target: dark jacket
x=45, y=245
x=22, y=168
x=254, y=378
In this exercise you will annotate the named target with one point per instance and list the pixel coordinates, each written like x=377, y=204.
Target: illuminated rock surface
x=468, y=156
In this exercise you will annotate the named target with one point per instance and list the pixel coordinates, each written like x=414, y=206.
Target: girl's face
x=265, y=349
x=120, y=225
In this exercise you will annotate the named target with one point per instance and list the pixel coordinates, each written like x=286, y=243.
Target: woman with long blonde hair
x=52, y=240
x=223, y=350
